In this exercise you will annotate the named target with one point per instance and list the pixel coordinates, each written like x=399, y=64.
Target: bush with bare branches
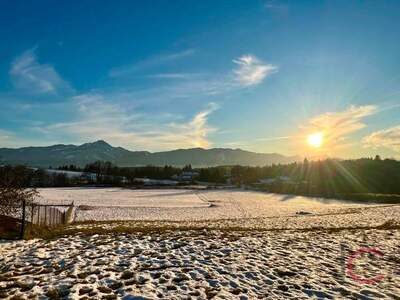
x=13, y=190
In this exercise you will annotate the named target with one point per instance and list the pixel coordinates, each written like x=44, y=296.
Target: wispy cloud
x=4, y=136
x=387, y=138
x=30, y=75
x=12, y=140
x=197, y=130
x=277, y=8
x=174, y=76
x=251, y=70
x=338, y=126
x=150, y=63
x=99, y=119
x=341, y=124
x=277, y=138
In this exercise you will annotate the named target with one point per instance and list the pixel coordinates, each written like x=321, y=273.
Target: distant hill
x=58, y=155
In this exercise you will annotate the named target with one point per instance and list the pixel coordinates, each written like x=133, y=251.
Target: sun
x=315, y=140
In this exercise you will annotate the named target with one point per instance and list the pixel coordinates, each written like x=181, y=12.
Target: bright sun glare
x=315, y=139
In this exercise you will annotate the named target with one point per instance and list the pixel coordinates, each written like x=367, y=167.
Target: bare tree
x=14, y=190
x=11, y=199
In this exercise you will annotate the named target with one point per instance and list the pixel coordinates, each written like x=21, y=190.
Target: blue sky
x=257, y=75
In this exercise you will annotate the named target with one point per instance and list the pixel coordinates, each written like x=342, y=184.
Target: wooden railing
x=47, y=214
x=13, y=225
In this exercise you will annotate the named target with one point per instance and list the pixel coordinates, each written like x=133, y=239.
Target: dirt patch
x=87, y=207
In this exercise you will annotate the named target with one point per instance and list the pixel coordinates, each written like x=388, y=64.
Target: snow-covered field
x=202, y=265
x=207, y=244
x=114, y=197
x=108, y=204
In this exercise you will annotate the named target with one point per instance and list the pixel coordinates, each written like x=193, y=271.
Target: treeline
x=105, y=173
x=320, y=178
x=104, y=170
x=327, y=178
x=28, y=177
x=107, y=169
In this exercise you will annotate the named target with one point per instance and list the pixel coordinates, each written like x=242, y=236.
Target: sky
x=158, y=75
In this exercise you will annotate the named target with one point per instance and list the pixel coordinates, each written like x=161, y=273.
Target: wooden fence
x=37, y=214
x=48, y=215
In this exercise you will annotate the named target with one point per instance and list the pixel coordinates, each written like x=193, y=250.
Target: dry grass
x=150, y=228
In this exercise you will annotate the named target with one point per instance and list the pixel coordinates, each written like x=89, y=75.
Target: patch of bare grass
x=150, y=228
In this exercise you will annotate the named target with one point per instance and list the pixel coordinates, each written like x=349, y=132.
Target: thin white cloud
x=174, y=76
x=338, y=126
x=277, y=8
x=251, y=70
x=277, y=138
x=10, y=139
x=150, y=62
x=197, y=130
x=99, y=119
x=4, y=137
x=29, y=75
x=386, y=138
x=341, y=124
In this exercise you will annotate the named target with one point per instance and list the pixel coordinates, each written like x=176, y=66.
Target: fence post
x=32, y=212
x=69, y=214
x=23, y=220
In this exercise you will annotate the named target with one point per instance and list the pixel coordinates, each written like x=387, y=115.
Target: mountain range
x=58, y=155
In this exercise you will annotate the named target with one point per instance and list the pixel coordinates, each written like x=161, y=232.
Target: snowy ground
x=218, y=244
x=109, y=204
x=202, y=265
x=127, y=198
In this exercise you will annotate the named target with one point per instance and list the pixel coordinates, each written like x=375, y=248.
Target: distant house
x=186, y=176
x=73, y=174
x=268, y=181
x=85, y=176
x=150, y=182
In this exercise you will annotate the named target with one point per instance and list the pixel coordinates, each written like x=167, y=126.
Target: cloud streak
x=99, y=119
x=174, y=76
x=248, y=71
x=277, y=8
x=251, y=70
x=10, y=139
x=31, y=76
x=150, y=63
x=341, y=124
x=4, y=137
x=387, y=138
x=336, y=127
